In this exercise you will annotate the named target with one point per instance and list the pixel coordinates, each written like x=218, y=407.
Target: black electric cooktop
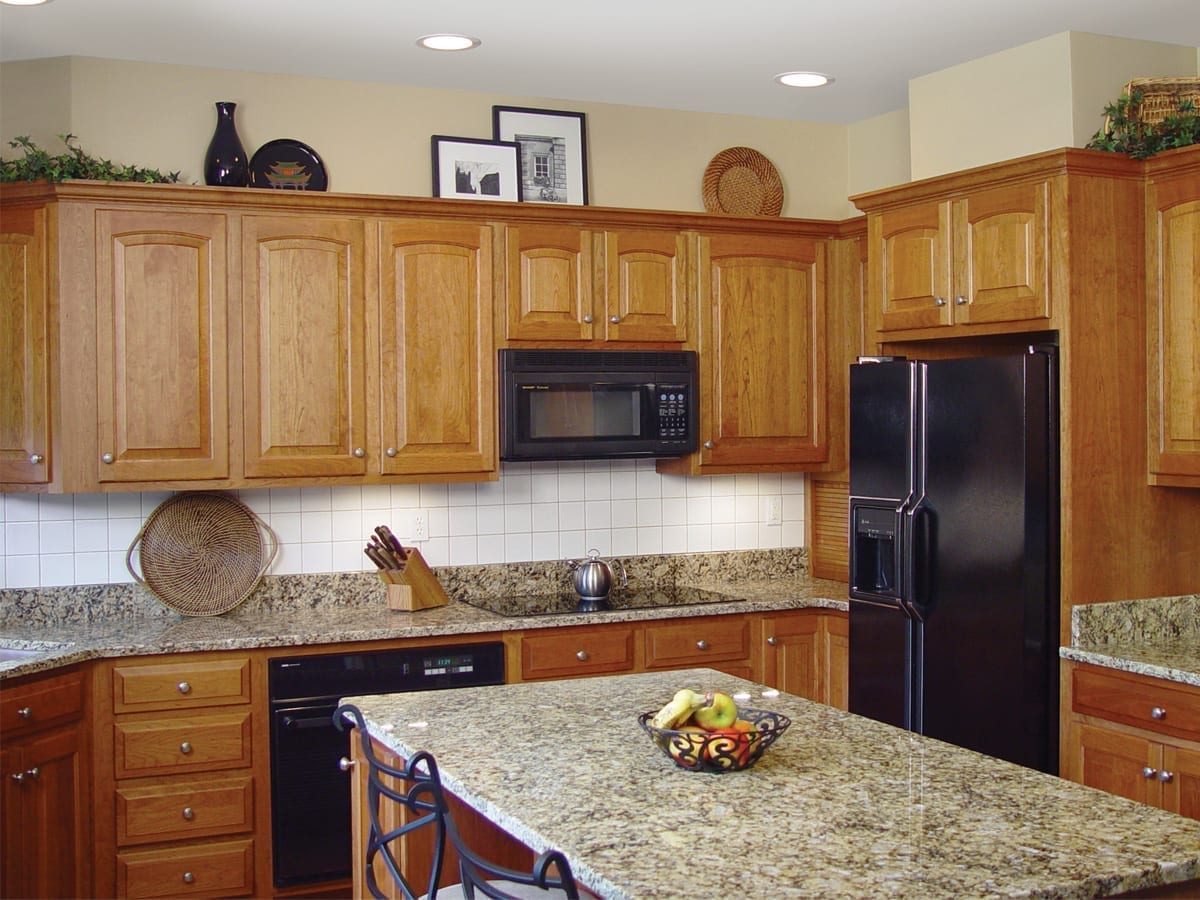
x=567, y=601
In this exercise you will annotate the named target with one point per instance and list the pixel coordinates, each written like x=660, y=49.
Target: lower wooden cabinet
x=713, y=642
x=805, y=652
x=1134, y=736
x=214, y=869
x=572, y=652
x=44, y=828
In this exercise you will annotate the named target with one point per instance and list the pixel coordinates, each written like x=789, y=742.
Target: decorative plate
x=288, y=165
x=742, y=182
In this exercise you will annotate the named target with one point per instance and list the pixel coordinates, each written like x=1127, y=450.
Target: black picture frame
x=553, y=157
x=475, y=169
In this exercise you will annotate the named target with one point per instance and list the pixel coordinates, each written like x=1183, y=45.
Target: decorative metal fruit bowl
x=726, y=750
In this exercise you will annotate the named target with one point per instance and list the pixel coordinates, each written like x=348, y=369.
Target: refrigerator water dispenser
x=873, y=554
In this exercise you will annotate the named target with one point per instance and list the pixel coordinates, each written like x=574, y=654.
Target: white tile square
x=674, y=511
x=56, y=569
x=624, y=541
x=287, y=528
x=698, y=487
x=599, y=539
x=699, y=538
x=770, y=483
x=572, y=544
x=770, y=537
x=649, y=483
x=124, y=506
x=3, y=562
x=518, y=547
x=490, y=520
x=745, y=485
x=571, y=485
x=258, y=501
x=346, y=497
x=316, y=499
x=56, y=537
x=285, y=500
x=724, y=537
x=570, y=516
x=436, y=551
x=91, y=506
x=746, y=508
x=518, y=489
x=316, y=526
x=91, y=568
x=316, y=557
x=649, y=540
x=545, y=545
x=545, y=518
x=724, y=510
x=649, y=512
x=347, y=526
x=723, y=485
x=406, y=495
x=597, y=514
x=288, y=561
x=793, y=507
x=463, y=551
x=461, y=494
x=793, y=482
x=462, y=523
x=21, y=538
x=376, y=496
x=544, y=487
x=673, y=486
x=489, y=493
x=792, y=534
x=699, y=510
x=20, y=508
x=518, y=519
x=438, y=521
x=152, y=500
x=118, y=571
x=623, y=484
x=490, y=548
x=56, y=508
x=21, y=571
x=745, y=536
x=348, y=556
x=515, y=468
x=674, y=539
x=624, y=513
x=91, y=535
x=121, y=533
x=432, y=495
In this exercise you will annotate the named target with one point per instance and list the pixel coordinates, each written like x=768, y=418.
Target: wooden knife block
x=420, y=588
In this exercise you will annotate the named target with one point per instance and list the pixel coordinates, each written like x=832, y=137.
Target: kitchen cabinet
x=24, y=349
x=1173, y=290
x=573, y=652
x=805, y=652
x=1135, y=736
x=44, y=784
x=761, y=343
x=568, y=283
x=714, y=642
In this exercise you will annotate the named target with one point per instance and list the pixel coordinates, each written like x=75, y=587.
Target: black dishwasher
x=310, y=795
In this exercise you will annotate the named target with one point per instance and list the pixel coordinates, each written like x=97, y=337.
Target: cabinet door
x=646, y=286
x=1180, y=779
x=1173, y=283
x=162, y=346
x=1001, y=239
x=437, y=354
x=792, y=653
x=549, y=283
x=24, y=349
x=762, y=351
x=909, y=266
x=837, y=660
x=303, y=352
x=1116, y=762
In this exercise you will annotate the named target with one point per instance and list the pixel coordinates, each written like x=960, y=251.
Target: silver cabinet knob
x=1158, y=713
x=107, y=459
x=25, y=712
x=708, y=445
x=185, y=748
x=1164, y=776
x=35, y=772
x=582, y=656
x=359, y=452
x=36, y=458
x=18, y=777
x=189, y=813
x=939, y=301
x=588, y=320
x=345, y=764
x=1149, y=772
x=772, y=641
x=188, y=878
x=960, y=300
x=184, y=687
x=616, y=320
x=701, y=644
x=391, y=452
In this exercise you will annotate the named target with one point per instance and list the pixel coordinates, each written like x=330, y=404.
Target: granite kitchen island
x=839, y=806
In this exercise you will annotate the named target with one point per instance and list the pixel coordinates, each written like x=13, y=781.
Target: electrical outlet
x=420, y=526
x=774, y=511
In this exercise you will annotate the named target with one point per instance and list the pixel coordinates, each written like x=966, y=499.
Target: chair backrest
x=418, y=787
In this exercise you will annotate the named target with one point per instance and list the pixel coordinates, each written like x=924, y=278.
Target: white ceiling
x=699, y=55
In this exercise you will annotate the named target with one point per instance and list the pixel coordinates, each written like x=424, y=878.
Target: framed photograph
x=553, y=152
x=473, y=169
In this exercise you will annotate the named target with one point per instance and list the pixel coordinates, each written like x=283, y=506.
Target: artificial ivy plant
x=1126, y=132
x=38, y=164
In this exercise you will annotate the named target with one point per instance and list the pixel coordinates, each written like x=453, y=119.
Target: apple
x=719, y=712
x=732, y=746
x=687, y=745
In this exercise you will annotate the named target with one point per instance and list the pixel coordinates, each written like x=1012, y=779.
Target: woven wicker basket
x=741, y=181
x=1160, y=97
x=201, y=554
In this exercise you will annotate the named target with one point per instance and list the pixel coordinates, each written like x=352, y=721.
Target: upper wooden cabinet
x=1173, y=288
x=567, y=283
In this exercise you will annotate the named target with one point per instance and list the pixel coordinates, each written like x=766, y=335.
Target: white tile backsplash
x=536, y=511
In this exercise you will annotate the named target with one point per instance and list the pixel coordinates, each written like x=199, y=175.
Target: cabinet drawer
x=697, y=642
x=33, y=706
x=562, y=652
x=175, y=809
x=185, y=744
x=179, y=685
x=219, y=868
x=1143, y=702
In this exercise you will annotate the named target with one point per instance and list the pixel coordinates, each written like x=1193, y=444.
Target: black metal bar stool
x=418, y=788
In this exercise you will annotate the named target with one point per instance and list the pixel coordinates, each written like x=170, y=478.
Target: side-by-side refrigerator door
x=882, y=485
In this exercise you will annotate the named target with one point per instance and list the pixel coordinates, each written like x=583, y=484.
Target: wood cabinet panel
x=157, y=686
x=1140, y=702
x=24, y=349
x=568, y=652
x=183, y=744
x=175, y=809
x=38, y=704
x=161, y=346
x=715, y=641
x=805, y=652
x=646, y=288
x=549, y=283
x=910, y=266
x=303, y=352
x=1181, y=786
x=1115, y=762
x=437, y=356
x=215, y=869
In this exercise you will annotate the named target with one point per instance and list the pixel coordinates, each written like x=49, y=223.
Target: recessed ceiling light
x=448, y=42
x=23, y=2
x=804, y=79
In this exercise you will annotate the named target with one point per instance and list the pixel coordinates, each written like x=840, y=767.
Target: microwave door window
x=585, y=412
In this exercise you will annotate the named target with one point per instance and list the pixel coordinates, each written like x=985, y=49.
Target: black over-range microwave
x=597, y=404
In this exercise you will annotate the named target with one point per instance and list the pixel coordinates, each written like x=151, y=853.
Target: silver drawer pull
x=188, y=878
x=1164, y=776
x=1149, y=772
x=701, y=644
x=18, y=777
x=961, y=300
x=185, y=748
x=1158, y=713
x=588, y=320
x=345, y=764
x=616, y=320
x=34, y=772
x=35, y=458
x=582, y=656
x=25, y=712
x=771, y=641
x=939, y=301
x=189, y=813
x=184, y=687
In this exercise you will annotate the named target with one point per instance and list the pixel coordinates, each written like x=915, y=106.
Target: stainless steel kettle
x=594, y=577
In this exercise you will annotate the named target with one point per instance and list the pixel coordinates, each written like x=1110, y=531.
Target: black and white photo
x=475, y=169
x=553, y=152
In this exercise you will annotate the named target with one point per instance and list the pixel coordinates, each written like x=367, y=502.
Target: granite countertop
x=76, y=624
x=839, y=806
x=1157, y=637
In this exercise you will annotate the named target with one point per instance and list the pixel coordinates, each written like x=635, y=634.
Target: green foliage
x=38, y=164
x=1125, y=132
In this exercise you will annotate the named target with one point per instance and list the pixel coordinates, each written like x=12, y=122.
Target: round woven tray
x=201, y=554
x=742, y=182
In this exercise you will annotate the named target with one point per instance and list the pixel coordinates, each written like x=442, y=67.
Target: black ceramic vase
x=225, y=162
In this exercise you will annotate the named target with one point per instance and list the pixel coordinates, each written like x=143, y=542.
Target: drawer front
x=1143, y=702
x=218, y=868
x=563, y=652
x=33, y=706
x=184, y=809
x=697, y=642
x=186, y=744
x=218, y=682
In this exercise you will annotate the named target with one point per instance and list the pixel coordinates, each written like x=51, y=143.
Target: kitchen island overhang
x=839, y=806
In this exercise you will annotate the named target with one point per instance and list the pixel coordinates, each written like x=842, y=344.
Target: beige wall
x=878, y=153
x=375, y=138
x=1039, y=96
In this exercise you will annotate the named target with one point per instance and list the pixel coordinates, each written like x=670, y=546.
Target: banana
x=679, y=710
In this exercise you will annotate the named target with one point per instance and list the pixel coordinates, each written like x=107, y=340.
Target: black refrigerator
x=954, y=550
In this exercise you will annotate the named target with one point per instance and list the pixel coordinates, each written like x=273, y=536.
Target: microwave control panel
x=672, y=411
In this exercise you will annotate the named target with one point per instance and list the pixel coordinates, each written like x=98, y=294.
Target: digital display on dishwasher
x=455, y=664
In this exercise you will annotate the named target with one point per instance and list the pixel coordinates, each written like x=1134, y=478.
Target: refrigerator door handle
x=919, y=540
